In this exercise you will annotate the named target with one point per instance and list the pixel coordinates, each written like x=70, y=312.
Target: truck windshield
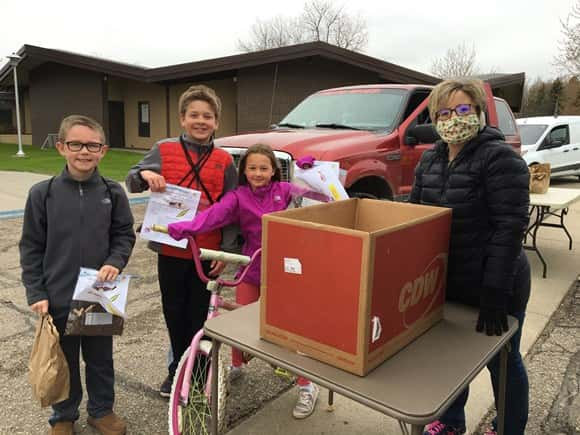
x=530, y=133
x=360, y=109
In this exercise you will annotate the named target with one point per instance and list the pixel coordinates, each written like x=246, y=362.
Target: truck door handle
x=575, y=149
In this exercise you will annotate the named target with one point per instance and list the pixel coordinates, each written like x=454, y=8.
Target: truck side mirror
x=423, y=133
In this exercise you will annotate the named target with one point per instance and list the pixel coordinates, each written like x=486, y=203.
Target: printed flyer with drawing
x=111, y=295
x=175, y=204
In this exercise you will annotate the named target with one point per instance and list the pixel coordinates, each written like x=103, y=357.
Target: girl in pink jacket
x=260, y=191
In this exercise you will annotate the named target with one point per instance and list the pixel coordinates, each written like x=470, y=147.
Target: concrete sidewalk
x=14, y=188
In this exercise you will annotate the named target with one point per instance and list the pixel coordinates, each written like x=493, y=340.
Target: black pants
x=100, y=376
x=185, y=302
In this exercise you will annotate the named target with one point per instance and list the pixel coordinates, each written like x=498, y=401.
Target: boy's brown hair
x=72, y=120
x=258, y=149
x=203, y=93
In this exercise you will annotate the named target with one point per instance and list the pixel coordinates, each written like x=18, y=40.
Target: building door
x=117, y=124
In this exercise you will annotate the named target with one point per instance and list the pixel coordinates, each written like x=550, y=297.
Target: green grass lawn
x=114, y=165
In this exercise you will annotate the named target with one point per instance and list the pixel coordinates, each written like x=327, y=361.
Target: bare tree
x=275, y=32
x=458, y=61
x=568, y=58
x=320, y=20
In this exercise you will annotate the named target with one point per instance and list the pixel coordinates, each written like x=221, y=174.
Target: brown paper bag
x=539, y=177
x=48, y=371
x=89, y=318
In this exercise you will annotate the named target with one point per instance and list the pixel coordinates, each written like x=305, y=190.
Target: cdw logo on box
x=352, y=282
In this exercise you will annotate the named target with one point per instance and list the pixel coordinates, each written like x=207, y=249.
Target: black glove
x=492, y=312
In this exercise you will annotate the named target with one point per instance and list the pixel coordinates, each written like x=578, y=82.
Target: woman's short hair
x=441, y=93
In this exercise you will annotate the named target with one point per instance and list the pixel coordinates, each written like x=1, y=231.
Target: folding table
x=414, y=386
x=554, y=202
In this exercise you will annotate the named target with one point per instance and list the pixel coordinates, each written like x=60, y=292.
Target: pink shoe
x=438, y=428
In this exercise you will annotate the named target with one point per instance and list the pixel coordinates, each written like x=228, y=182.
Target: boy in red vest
x=190, y=160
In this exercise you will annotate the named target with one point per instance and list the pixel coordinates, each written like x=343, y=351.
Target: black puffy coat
x=486, y=185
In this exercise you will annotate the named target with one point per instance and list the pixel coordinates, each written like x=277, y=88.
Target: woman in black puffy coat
x=474, y=172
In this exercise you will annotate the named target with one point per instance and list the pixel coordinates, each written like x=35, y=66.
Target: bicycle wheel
x=196, y=418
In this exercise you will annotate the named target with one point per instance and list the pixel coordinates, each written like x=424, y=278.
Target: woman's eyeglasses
x=460, y=110
x=75, y=146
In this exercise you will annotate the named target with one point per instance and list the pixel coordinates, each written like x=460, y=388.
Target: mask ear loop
x=482, y=120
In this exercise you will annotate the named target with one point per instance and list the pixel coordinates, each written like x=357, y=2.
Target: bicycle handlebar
x=212, y=255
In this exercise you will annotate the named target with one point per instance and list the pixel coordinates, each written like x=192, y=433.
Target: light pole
x=14, y=60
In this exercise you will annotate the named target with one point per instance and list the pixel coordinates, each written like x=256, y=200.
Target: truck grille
x=284, y=160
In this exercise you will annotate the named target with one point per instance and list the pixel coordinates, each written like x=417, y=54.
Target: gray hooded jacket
x=67, y=225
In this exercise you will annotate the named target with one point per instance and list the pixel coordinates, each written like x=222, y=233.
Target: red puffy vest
x=174, y=166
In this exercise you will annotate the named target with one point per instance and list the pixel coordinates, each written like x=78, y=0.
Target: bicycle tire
x=195, y=418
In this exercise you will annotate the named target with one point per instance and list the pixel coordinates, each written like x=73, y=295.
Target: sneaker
x=165, y=389
x=235, y=373
x=62, y=428
x=110, y=424
x=438, y=428
x=306, y=402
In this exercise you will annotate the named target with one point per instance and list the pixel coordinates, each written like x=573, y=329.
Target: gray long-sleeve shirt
x=152, y=162
x=71, y=225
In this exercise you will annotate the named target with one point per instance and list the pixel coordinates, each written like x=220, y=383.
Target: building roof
x=33, y=56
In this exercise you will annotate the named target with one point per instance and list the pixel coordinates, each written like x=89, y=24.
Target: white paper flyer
x=174, y=205
x=111, y=295
x=323, y=177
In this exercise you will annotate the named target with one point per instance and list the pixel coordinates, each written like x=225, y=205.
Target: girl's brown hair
x=265, y=150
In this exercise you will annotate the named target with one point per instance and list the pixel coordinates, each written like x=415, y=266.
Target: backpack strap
x=45, y=202
x=110, y=192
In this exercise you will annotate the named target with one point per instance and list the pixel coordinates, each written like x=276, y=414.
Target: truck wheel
x=362, y=195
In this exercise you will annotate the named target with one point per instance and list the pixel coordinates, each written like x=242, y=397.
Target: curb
x=10, y=214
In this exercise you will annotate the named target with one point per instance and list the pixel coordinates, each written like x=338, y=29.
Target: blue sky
x=509, y=36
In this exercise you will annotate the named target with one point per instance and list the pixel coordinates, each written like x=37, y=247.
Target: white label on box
x=93, y=319
x=377, y=329
x=292, y=265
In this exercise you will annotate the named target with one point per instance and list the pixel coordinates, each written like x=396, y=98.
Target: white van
x=554, y=140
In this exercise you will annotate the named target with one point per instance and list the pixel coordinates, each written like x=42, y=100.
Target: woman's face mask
x=458, y=129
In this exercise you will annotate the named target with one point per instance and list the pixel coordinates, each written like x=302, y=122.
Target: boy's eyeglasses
x=460, y=110
x=75, y=146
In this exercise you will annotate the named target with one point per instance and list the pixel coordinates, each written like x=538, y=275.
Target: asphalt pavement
x=261, y=402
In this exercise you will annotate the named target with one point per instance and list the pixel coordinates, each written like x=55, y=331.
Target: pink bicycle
x=192, y=400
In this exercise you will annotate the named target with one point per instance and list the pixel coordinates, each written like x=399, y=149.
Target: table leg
x=564, y=213
x=215, y=349
x=330, y=401
x=404, y=429
x=502, y=387
x=540, y=213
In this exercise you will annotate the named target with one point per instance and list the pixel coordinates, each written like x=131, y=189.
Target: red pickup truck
x=376, y=132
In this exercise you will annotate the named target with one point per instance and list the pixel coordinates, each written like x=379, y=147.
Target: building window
x=6, y=124
x=144, y=119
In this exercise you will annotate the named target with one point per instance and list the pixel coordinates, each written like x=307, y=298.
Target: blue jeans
x=517, y=388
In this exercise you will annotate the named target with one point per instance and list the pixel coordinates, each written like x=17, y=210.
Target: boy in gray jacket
x=77, y=219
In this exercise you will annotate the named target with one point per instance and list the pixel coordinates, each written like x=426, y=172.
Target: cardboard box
x=351, y=282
